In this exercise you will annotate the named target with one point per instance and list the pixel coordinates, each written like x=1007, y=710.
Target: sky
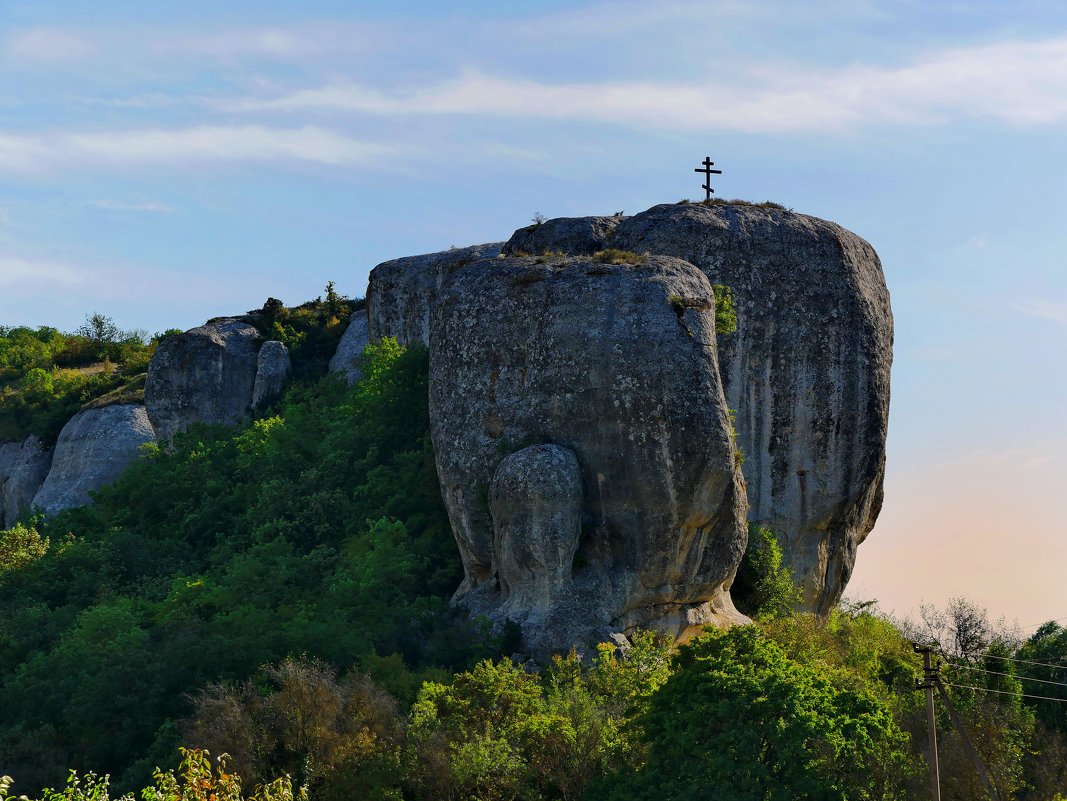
x=165, y=163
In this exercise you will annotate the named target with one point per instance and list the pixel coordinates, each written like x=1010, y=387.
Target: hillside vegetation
x=279, y=592
x=46, y=376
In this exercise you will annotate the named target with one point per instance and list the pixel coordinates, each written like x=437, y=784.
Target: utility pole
x=929, y=683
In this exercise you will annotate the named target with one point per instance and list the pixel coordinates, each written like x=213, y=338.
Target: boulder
x=573, y=235
x=807, y=371
x=346, y=360
x=615, y=365
x=204, y=375
x=23, y=468
x=272, y=369
x=402, y=292
x=93, y=450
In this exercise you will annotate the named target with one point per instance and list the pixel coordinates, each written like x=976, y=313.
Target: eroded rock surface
x=273, y=366
x=617, y=365
x=205, y=375
x=573, y=235
x=346, y=359
x=23, y=468
x=93, y=450
x=402, y=292
x=807, y=370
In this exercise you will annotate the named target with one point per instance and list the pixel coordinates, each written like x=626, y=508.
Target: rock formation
x=613, y=367
x=807, y=371
x=23, y=468
x=273, y=366
x=93, y=450
x=204, y=375
x=402, y=292
x=579, y=236
x=350, y=349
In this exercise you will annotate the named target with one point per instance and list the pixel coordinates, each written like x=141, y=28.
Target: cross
x=708, y=172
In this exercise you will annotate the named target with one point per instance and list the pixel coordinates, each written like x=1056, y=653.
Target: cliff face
x=207, y=374
x=610, y=372
x=92, y=451
x=402, y=292
x=807, y=371
x=23, y=468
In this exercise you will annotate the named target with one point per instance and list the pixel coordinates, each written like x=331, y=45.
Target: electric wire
x=1010, y=675
x=1024, y=661
x=1006, y=692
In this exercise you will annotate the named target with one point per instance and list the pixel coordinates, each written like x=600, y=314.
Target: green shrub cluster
x=318, y=530
x=46, y=376
x=311, y=330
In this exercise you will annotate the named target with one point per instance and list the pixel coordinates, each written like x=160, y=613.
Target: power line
x=1024, y=661
x=1006, y=692
x=1010, y=675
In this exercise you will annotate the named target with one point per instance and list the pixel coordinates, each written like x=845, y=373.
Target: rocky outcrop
x=93, y=450
x=573, y=235
x=346, y=360
x=613, y=368
x=402, y=292
x=807, y=370
x=272, y=369
x=204, y=375
x=23, y=468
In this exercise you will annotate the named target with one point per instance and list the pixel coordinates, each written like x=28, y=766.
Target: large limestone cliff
x=629, y=509
x=807, y=371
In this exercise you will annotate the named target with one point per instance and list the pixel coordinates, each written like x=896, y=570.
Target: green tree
x=739, y=719
x=764, y=586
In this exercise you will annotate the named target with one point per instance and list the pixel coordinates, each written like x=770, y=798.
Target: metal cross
x=708, y=172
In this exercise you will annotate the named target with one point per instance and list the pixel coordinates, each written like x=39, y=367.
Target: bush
x=764, y=587
x=739, y=719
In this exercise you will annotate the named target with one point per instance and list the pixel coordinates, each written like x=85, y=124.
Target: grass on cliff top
x=719, y=201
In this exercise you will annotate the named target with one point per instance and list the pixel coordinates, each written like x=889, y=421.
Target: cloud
x=147, y=206
x=1019, y=83
x=15, y=270
x=1045, y=309
x=48, y=45
x=203, y=144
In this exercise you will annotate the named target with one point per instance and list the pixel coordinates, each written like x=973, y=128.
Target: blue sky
x=165, y=163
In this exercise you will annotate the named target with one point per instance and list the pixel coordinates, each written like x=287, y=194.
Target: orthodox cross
x=708, y=172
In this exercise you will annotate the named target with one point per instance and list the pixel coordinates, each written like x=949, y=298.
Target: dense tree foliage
x=739, y=719
x=319, y=529
x=279, y=592
x=46, y=376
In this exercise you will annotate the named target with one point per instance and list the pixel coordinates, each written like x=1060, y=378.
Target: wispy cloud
x=1018, y=83
x=1045, y=309
x=48, y=45
x=146, y=206
x=203, y=144
x=15, y=270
